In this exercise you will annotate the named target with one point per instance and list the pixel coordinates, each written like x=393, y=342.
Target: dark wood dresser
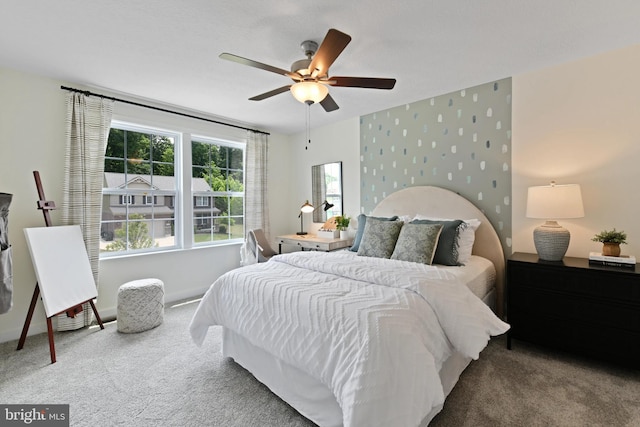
x=574, y=306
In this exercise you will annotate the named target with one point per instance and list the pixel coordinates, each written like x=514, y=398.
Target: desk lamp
x=305, y=208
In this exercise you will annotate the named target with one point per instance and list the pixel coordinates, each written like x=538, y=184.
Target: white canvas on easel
x=62, y=267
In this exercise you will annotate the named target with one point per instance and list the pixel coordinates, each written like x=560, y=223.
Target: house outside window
x=218, y=178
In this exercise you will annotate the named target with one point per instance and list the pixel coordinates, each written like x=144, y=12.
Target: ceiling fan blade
x=365, y=82
x=270, y=93
x=256, y=64
x=329, y=104
x=333, y=44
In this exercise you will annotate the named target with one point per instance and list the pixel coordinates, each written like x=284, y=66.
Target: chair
x=259, y=246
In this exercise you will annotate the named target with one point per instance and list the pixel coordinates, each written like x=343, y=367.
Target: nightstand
x=312, y=242
x=576, y=307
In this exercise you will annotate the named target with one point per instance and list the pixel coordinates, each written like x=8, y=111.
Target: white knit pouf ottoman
x=140, y=305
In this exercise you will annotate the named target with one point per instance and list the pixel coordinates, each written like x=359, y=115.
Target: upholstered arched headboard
x=438, y=202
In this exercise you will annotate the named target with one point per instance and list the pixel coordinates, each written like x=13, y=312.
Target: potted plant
x=342, y=223
x=611, y=241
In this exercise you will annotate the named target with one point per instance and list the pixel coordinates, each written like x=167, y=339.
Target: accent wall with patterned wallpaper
x=460, y=141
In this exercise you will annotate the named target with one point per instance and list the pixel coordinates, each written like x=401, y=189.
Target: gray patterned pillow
x=362, y=220
x=379, y=238
x=417, y=243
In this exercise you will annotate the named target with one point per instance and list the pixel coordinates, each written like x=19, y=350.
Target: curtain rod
x=87, y=93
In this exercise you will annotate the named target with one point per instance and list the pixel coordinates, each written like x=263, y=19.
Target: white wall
x=580, y=123
x=32, y=137
x=32, y=117
x=334, y=143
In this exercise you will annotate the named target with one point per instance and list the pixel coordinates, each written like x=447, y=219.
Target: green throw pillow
x=379, y=238
x=417, y=243
x=362, y=220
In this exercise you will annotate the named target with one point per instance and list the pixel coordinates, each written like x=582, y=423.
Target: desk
x=312, y=242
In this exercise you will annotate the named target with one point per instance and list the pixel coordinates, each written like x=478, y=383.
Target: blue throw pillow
x=447, y=249
x=362, y=220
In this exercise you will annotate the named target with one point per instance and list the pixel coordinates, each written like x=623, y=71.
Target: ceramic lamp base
x=551, y=241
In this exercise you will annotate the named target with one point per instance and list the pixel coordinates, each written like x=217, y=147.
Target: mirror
x=326, y=183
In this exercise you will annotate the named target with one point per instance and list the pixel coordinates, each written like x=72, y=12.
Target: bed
x=351, y=340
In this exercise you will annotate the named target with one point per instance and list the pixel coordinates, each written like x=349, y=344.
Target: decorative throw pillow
x=447, y=250
x=466, y=235
x=466, y=239
x=417, y=243
x=379, y=238
x=362, y=220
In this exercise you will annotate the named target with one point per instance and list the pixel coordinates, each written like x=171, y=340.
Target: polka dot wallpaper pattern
x=460, y=141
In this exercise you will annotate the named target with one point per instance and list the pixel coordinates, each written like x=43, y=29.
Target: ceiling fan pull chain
x=308, y=126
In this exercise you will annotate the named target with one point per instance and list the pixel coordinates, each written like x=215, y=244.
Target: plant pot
x=611, y=249
x=344, y=234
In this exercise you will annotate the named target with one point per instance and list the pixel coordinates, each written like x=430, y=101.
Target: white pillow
x=466, y=236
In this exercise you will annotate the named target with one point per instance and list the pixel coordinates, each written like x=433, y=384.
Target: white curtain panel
x=88, y=123
x=256, y=209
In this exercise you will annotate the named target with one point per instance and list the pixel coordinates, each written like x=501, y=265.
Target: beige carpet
x=159, y=378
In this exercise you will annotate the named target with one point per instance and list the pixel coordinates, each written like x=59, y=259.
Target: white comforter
x=374, y=331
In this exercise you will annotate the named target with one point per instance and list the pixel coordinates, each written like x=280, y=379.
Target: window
x=202, y=201
x=217, y=184
x=146, y=206
x=139, y=166
x=127, y=199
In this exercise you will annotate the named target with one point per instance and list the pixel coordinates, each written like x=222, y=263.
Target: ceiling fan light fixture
x=306, y=92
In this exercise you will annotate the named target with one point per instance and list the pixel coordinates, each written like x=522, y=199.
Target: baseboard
x=107, y=314
x=14, y=334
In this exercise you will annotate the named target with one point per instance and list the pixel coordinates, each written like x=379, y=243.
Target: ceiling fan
x=311, y=75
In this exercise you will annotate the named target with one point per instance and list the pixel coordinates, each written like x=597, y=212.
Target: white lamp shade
x=309, y=91
x=306, y=207
x=555, y=202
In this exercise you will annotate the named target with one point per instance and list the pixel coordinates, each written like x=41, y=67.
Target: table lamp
x=552, y=202
x=305, y=208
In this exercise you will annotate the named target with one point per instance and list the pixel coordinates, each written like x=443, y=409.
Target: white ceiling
x=168, y=50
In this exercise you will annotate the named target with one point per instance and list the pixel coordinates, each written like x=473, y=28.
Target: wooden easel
x=46, y=206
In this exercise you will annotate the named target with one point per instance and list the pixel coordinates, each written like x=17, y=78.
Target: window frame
x=202, y=198
x=133, y=194
x=126, y=199
x=212, y=195
x=181, y=200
